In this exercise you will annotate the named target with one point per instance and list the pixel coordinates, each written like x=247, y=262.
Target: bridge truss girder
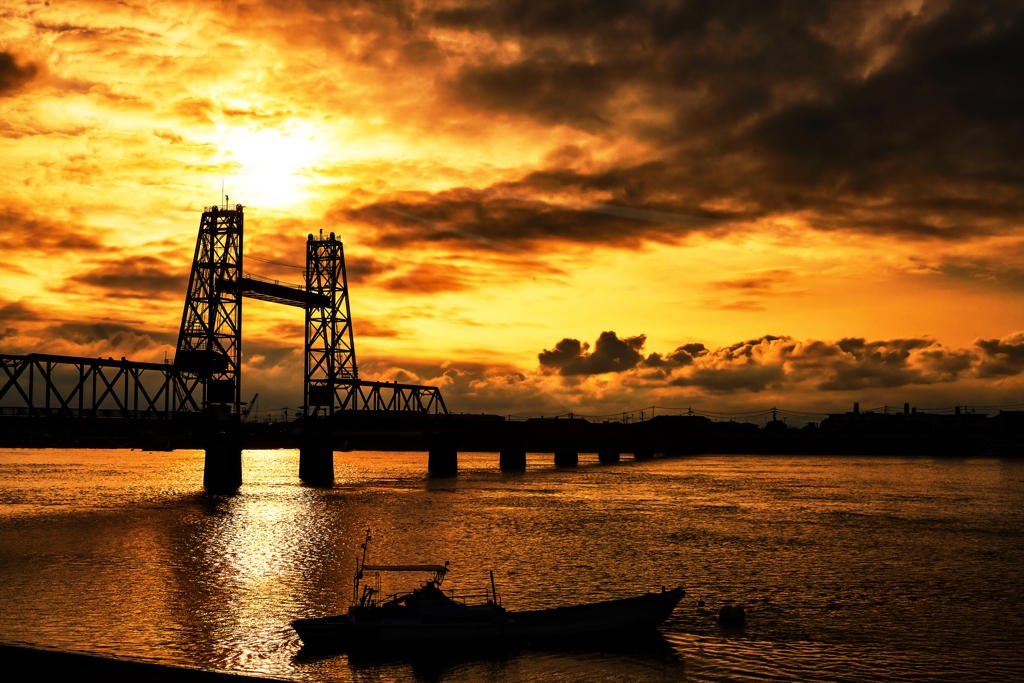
x=37, y=385
x=206, y=374
x=361, y=395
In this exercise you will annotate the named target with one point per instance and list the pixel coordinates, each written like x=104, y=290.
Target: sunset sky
x=546, y=206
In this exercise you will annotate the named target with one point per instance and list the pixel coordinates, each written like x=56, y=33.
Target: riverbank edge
x=25, y=662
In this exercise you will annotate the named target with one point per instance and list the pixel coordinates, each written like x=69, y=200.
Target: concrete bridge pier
x=316, y=458
x=222, y=470
x=567, y=456
x=608, y=456
x=512, y=456
x=443, y=456
x=643, y=453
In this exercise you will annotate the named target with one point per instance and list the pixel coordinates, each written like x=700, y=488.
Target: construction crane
x=248, y=407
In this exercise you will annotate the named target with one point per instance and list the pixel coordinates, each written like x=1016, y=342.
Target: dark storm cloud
x=478, y=213
x=136, y=277
x=366, y=327
x=426, y=277
x=117, y=335
x=362, y=33
x=750, y=377
x=681, y=357
x=503, y=218
x=886, y=363
x=21, y=230
x=366, y=269
x=776, y=363
x=1001, y=357
x=948, y=109
x=611, y=354
x=267, y=355
x=545, y=87
x=17, y=310
x=988, y=272
x=861, y=115
x=13, y=76
x=753, y=365
x=575, y=57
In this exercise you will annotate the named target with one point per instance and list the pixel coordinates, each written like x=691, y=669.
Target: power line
x=275, y=263
x=653, y=411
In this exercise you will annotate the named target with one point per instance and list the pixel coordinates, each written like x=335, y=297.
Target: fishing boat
x=431, y=615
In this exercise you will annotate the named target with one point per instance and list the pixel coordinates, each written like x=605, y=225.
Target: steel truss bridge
x=205, y=376
x=48, y=385
x=203, y=383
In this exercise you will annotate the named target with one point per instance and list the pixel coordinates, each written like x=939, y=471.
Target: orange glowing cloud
x=506, y=175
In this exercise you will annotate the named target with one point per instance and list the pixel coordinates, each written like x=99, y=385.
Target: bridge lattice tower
x=330, y=359
x=209, y=350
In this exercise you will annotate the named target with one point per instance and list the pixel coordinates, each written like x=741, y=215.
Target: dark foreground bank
x=20, y=663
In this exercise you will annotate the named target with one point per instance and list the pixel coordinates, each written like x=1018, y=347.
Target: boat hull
x=489, y=624
x=644, y=612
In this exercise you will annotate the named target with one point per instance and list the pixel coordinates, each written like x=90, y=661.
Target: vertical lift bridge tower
x=209, y=350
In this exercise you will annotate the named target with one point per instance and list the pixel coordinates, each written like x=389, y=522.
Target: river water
x=850, y=569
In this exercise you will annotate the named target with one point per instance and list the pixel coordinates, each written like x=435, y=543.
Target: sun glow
x=271, y=167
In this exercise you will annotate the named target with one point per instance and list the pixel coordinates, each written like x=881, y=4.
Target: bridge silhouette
x=194, y=401
x=200, y=391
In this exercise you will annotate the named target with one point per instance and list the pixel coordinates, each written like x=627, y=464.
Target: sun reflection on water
x=850, y=568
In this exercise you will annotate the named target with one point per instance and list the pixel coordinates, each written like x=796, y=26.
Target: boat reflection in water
x=433, y=617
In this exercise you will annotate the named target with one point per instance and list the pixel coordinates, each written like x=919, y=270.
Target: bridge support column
x=608, y=456
x=567, y=457
x=222, y=471
x=512, y=457
x=316, y=458
x=643, y=454
x=443, y=456
x=442, y=460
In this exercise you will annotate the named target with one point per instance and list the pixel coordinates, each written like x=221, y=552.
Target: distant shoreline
x=853, y=433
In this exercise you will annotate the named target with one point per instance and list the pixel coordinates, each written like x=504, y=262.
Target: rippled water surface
x=850, y=568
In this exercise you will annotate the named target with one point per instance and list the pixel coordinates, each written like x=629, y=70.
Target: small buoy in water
x=700, y=603
x=732, y=615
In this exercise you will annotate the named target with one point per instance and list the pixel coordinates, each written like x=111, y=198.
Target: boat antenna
x=494, y=591
x=365, y=547
x=359, y=566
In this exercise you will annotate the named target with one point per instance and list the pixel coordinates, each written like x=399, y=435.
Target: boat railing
x=464, y=597
x=461, y=597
